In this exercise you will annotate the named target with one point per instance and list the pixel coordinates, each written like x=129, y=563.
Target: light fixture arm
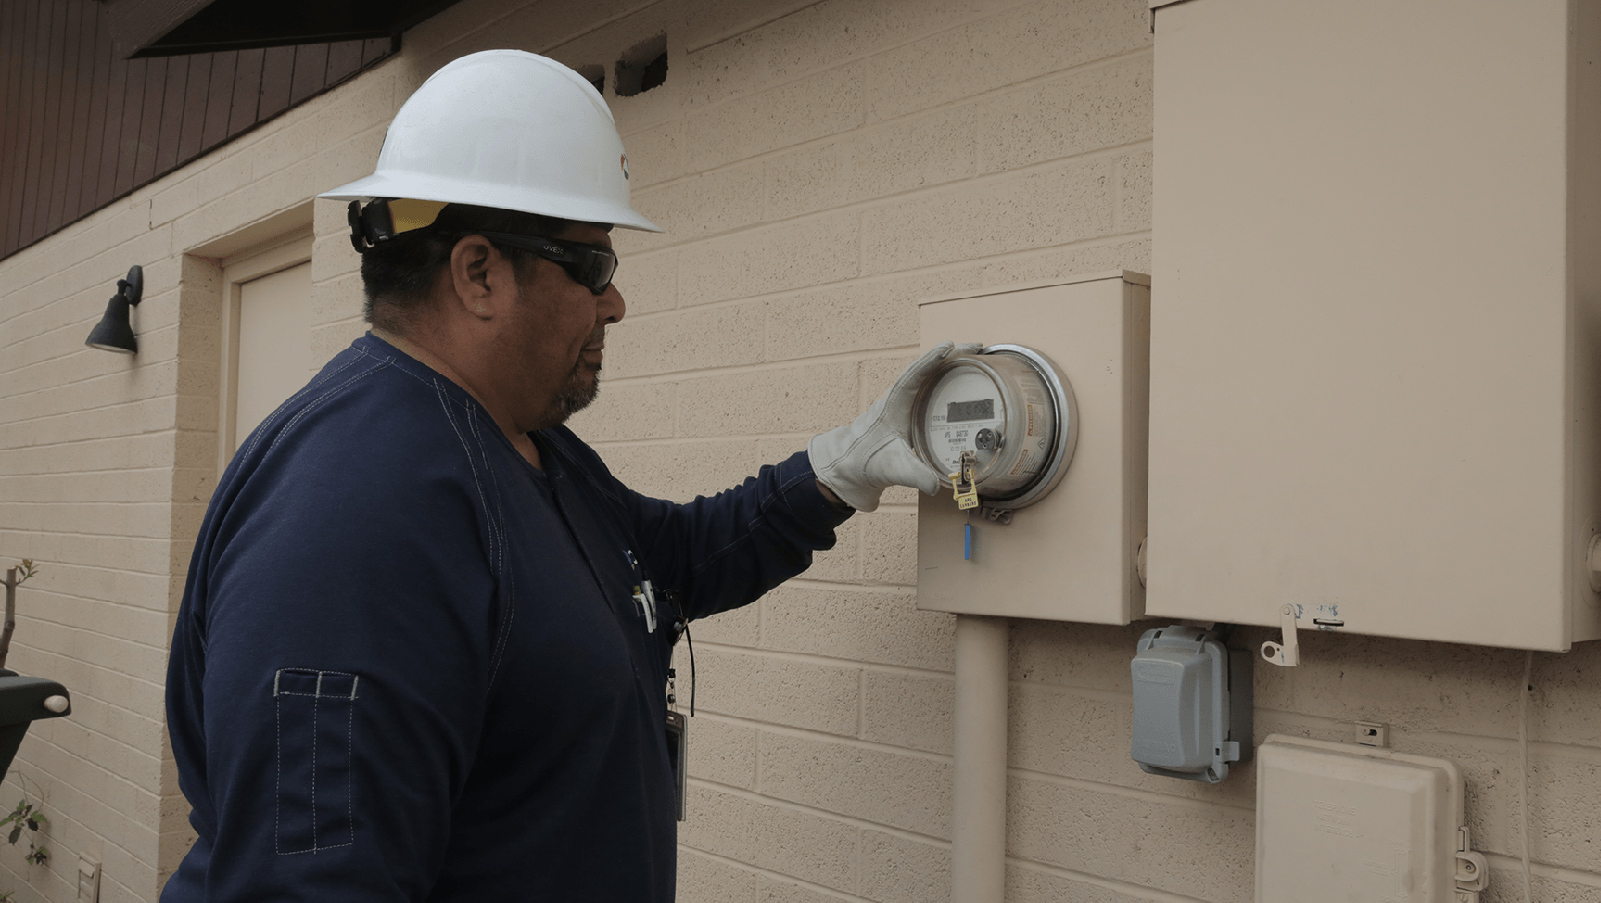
x=132, y=286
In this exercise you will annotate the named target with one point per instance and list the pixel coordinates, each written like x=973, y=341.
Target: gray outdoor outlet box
x=1192, y=704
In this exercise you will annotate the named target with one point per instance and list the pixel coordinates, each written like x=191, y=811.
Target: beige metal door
x=274, y=345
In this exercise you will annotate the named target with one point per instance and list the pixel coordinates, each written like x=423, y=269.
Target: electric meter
x=1003, y=422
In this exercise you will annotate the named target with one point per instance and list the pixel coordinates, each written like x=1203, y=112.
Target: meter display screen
x=965, y=411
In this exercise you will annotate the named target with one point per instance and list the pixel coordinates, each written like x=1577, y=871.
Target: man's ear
x=472, y=265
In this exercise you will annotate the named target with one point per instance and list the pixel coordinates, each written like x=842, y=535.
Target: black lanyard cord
x=681, y=628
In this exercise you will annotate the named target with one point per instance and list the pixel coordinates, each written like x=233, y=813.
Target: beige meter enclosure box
x=1071, y=555
x=1376, y=361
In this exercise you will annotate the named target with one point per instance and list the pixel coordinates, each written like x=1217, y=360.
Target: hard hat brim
x=422, y=187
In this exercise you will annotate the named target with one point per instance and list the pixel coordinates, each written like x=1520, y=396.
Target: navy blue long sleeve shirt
x=410, y=666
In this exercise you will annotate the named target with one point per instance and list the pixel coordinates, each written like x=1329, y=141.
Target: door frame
x=286, y=251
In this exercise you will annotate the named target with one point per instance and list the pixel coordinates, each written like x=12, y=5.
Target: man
x=423, y=648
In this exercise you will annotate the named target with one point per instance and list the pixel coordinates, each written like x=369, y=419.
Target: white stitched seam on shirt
x=315, y=383
x=497, y=535
x=317, y=402
x=497, y=528
x=350, y=768
x=278, y=785
x=314, y=766
x=471, y=465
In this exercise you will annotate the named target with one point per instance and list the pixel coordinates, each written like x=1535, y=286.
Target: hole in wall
x=595, y=75
x=642, y=67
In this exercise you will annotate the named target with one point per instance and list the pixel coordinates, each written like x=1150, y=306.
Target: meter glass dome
x=1012, y=409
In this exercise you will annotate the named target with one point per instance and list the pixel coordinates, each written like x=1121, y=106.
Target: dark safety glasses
x=591, y=266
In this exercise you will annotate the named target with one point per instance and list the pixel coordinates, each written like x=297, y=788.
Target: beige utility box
x=1336, y=822
x=1071, y=555
x=1374, y=365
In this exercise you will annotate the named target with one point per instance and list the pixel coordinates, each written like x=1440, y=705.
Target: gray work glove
x=857, y=462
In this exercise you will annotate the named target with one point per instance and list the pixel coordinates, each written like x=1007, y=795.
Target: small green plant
x=29, y=817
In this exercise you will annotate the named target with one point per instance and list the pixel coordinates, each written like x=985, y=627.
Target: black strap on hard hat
x=370, y=225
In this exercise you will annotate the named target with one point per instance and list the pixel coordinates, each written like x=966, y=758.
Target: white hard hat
x=511, y=130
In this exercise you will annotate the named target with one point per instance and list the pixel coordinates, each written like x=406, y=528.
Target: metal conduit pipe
x=978, y=817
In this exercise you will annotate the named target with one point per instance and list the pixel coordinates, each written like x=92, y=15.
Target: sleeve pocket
x=316, y=713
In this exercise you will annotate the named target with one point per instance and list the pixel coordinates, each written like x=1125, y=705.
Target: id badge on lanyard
x=678, y=754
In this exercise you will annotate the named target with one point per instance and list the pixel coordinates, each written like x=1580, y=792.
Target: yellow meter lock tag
x=962, y=483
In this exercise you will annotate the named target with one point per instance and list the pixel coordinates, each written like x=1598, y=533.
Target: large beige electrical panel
x=1072, y=555
x=1375, y=389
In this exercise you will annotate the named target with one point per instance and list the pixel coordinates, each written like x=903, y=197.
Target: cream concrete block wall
x=820, y=166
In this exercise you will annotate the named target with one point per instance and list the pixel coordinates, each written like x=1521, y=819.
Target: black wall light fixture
x=114, y=332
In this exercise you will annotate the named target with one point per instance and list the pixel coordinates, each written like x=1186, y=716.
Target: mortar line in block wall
x=1095, y=694
x=97, y=606
x=884, y=49
x=906, y=590
x=70, y=415
x=162, y=504
x=1149, y=796
x=772, y=875
x=858, y=861
x=89, y=264
x=27, y=532
x=844, y=357
x=1021, y=254
x=46, y=623
x=1505, y=863
x=859, y=583
x=120, y=711
x=69, y=442
x=116, y=384
x=63, y=753
x=62, y=808
x=1111, y=884
x=58, y=883
x=757, y=25
x=544, y=49
x=824, y=584
x=69, y=334
x=112, y=602
x=125, y=889
x=851, y=820
x=1117, y=187
x=799, y=439
x=832, y=661
x=801, y=733
x=861, y=706
x=309, y=121
x=678, y=409
x=867, y=204
x=158, y=686
x=82, y=730
x=1509, y=745
x=74, y=348
x=109, y=471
